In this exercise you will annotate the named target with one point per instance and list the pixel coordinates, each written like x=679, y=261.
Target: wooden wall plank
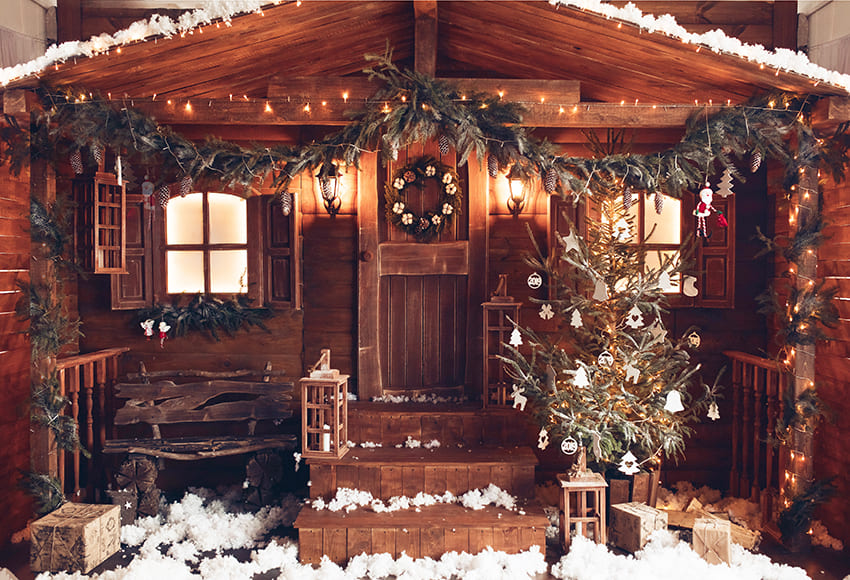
x=479, y=539
x=457, y=539
x=432, y=542
x=408, y=541
x=413, y=480
x=436, y=479
x=358, y=541
x=384, y=541
x=310, y=546
x=391, y=482
x=335, y=544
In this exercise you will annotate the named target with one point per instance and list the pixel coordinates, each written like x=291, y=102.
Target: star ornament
x=629, y=464
x=570, y=242
x=546, y=312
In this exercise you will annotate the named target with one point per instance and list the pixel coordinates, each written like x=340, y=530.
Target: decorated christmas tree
x=610, y=379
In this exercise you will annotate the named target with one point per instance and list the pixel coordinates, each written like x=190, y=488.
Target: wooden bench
x=194, y=399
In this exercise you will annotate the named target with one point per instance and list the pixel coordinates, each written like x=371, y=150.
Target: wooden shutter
x=281, y=255
x=715, y=259
x=100, y=224
x=134, y=289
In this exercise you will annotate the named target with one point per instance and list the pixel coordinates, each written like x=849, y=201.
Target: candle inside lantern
x=326, y=438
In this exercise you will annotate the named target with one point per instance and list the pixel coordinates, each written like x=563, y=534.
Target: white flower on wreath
x=399, y=183
x=436, y=219
x=407, y=219
x=447, y=208
x=398, y=207
x=430, y=171
x=451, y=189
x=447, y=177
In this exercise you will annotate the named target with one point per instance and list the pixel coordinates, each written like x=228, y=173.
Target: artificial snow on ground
x=206, y=535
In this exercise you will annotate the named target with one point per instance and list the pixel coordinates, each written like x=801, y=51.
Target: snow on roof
x=224, y=10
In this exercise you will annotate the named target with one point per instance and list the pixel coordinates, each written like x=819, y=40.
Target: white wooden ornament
x=694, y=340
x=622, y=232
x=713, y=411
x=674, y=402
x=600, y=291
x=543, y=439
x=575, y=319
x=581, y=379
x=632, y=373
x=546, y=312
x=664, y=283
x=634, y=318
x=724, y=188
x=689, y=287
x=605, y=359
x=519, y=399
x=657, y=331
x=535, y=281
x=516, y=337
x=569, y=446
x=629, y=463
x=571, y=242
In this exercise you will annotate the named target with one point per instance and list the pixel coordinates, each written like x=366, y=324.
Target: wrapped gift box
x=75, y=537
x=632, y=523
x=711, y=539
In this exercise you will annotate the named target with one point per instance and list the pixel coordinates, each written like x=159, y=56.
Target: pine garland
x=412, y=107
x=207, y=314
x=796, y=519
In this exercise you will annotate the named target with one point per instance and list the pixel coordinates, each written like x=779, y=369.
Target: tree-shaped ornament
x=724, y=187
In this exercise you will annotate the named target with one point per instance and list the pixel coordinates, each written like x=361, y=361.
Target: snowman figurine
x=705, y=209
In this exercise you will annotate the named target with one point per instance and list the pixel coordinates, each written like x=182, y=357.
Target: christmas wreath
x=429, y=225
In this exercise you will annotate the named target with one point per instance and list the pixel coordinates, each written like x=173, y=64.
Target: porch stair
x=477, y=447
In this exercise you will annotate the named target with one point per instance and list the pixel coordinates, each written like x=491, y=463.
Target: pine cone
x=77, y=162
x=627, y=197
x=185, y=186
x=550, y=181
x=164, y=195
x=755, y=161
x=492, y=165
x=443, y=142
x=659, y=202
x=97, y=153
x=286, y=202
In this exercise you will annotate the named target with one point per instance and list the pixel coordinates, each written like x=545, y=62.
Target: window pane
x=229, y=271
x=654, y=259
x=185, y=272
x=184, y=218
x=668, y=225
x=228, y=219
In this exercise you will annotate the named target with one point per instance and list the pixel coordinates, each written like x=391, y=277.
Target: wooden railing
x=86, y=381
x=758, y=386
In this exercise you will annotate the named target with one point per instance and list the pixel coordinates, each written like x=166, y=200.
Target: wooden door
x=415, y=298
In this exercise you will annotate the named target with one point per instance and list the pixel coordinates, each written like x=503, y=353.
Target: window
x=206, y=244
x=661, y=233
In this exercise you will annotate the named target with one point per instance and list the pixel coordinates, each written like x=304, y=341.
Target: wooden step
x=428, y=532
x=450, y=424
x=388, y=472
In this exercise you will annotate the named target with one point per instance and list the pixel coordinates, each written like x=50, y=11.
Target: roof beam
x=425, y=37
x=284, y=111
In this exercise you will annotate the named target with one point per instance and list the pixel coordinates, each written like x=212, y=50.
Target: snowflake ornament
x=634, y=318
x=629, y=464
x=713, y=411
x=575, y=319
x=516, y=337
x=546, y=312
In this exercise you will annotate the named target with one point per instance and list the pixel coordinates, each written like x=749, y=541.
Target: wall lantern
x=329, y=178
x=518, y=185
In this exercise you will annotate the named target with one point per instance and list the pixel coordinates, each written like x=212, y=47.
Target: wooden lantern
x=324, y=411
x=582, y=506
x=100, y=228
x=501, y=315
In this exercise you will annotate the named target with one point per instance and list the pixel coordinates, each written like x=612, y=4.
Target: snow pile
x=430, y=398
x=476, y=499
x=412, y=443
x=666, y=557
x=365, y=444
x=821, y=537
x=716, y=40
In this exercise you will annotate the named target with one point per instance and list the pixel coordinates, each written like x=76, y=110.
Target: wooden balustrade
x=86, y=381
x=758, y=386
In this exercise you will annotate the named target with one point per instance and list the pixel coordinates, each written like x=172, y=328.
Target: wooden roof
x=474, y=39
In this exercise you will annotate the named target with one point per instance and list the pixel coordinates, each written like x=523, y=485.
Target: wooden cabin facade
x=401, y=317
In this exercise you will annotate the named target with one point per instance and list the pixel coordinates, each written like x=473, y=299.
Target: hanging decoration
x=147, y=327
x=569, y=446
x=634, y=318
x=600, y=290
x=659, y=202
x=570, y=242
x=443, y=143
x=674, y=402
x=76, y=160
x=724, y=186
x=185, y=185
x=713, y=411
x=629, y=463
x=492, y=165
x=164, y=195
x=286, y=202
x=627, y=197
x=694, y=340
x=581, y=379
x=575, y=319
x=704, y=209
x=632, y=373
x=428, y=226
x=550, y=180
x=689, y=287
x=605, y=359
x=535, y=280
x=163, y=333
x=516, y=338
x=546, y=312
x=519, y=399
x=755, y=161
x=543, y=439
